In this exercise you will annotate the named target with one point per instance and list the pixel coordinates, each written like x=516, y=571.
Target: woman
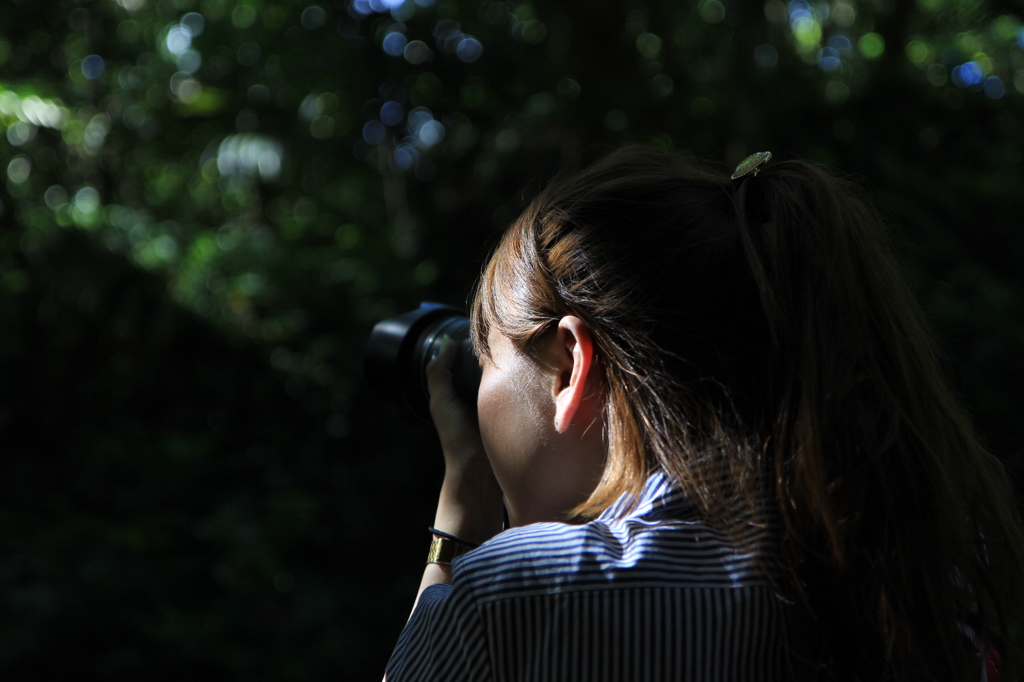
x=716, y=420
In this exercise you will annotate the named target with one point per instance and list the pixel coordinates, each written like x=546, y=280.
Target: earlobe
x=576, y=351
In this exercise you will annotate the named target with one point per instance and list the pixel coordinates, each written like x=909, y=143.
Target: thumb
x=439, y=373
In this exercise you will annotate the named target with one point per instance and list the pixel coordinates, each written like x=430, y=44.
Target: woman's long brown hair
x=759, y=343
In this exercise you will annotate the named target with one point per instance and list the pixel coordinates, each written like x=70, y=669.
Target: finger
x=445, y=355
x=439, y=371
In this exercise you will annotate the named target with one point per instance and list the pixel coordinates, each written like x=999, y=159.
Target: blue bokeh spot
x=93, y=66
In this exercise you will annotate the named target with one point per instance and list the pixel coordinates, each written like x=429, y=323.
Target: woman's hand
x=471, y=504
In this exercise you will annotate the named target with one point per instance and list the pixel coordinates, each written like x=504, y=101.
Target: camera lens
x=400, y=348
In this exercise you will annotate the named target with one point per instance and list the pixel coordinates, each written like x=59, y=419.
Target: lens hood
x=400, y=348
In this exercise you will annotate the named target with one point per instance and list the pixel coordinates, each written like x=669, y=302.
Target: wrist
x=445, y=547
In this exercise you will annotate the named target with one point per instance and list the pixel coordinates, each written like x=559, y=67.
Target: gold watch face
x=443, y=550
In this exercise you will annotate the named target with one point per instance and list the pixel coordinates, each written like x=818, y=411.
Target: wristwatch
x=443, y=550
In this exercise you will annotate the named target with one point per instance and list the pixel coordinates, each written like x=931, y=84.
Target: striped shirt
x=652, y=594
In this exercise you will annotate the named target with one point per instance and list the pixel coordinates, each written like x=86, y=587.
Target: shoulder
x=534, y=551
x=602, y=554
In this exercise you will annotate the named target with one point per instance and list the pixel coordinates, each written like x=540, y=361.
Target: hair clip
x=751, y=164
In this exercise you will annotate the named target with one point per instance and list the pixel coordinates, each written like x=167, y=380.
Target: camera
x=400, y=348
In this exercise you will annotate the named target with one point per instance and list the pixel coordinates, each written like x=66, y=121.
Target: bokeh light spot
x=313, y=17
x=394, y=44
x=534, y=32
x=258, y=94
x=189, y=61
x=321, y=127
x=347, y=236
x=431, y=132
x=33, y=110
x=765, y=56
x=805, y=23
x=19, y=169
x=392, y=113
x=841, y=44
x=985, y=62
x=928, y=138
x=798, y=9
x=129, y=31
x=506, y=141
x=250, y=153
x=649, y=45
x=469, y=50
x=194, y=23
x=186, y=88
x=936, y=74
x=404, y=157
x=55, y=196
x=967, y=75
x=417, y=52
x=540, y=105
x=447, y=35
x=994, y=87
x=93, y=67
x=178, y=40
x=361, y=7
x=243, y=16
x=843, y=14
x=248, y=53
x=417, y=118
x=311, y=107
x=426, y=272
x=702, y=108
x=20, y=133
x=568, y=88
x=802, y=22
x=917, y=52
x=268, y=164
x=374, y=132
x=712, y=11
x=831, y=64
x=165, y=248
x=391, y=91
x=775, y=11
x=967, y=42
x=837, y=92
x=616, y=120
x=87, y=200
x=662, y=85
x=871, y=45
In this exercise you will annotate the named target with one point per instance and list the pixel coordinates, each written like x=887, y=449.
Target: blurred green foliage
x=207, y=203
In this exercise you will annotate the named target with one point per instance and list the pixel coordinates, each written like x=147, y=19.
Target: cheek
x=497, y=423
x=488, y=410
x=511, y=427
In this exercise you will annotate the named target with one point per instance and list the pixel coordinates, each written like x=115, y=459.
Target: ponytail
x=897, y=526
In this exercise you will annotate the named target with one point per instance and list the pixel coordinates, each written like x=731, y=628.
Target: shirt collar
x=660, y=496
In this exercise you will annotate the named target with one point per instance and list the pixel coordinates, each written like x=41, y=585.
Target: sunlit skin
x=539, y=448
x=542, y=438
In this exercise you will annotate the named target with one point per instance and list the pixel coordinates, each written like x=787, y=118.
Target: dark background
x=206, y=204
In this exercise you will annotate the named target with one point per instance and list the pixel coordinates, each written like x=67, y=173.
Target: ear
x=574, y=349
